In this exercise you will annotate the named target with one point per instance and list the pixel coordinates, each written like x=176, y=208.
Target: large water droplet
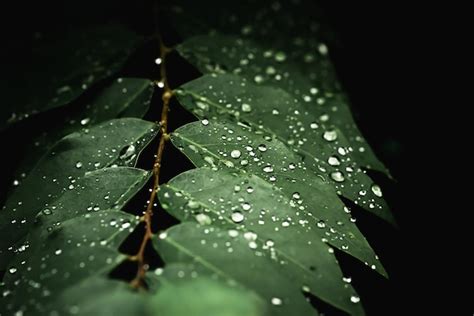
x=268, y=169
x=330, y=136
x=85, y=121
x=276, y=301
x=246, y=107
x=334, y=161
x=203, y=219
x=337, y=176
x=262, y=147
x=355, y=299
x=237, y=217
x=376, y=190
x=235, y=153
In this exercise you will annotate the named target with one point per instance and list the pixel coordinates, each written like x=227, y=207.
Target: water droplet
x=258, y=79
x=58, y=252
x=16, y=182
x=280, y=57
x=246, y=107
x=129, y=152
x=193, y=204
x=337, y=176
x=246, y=206
x=47, y=211
x=376, y=190
x=237, y=217
x=250, y=236
x=296, y=196
x=12, y=270
x=85, y=121
x=78, y=165
x=158, y=61
x=334, y=161
x=268, y=169
x=323, y=49
x=324, y=118
x=203, y=219
x=233, y=233
x=269, y=243
x=321, y=224
x=355, y=299
x=330, y=136
x=253, y=245
x=262, y=147
x=235, y=153
x=205, y=122
x=314, y=125
x=313, y=90
x=163, y=235
x=347, y=280
x=250, y=190
x=276, y=301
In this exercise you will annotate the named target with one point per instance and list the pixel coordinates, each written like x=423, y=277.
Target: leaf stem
x=137, y=282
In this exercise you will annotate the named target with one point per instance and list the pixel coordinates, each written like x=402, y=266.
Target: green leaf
x=229, y=146
x=124, y=97
x=313, y=83
x=78, y=250
x=214, y=252
x=73, y=60
x=104, y=189
x=271, y=220
x=115, y=142
x=101, y=296
x=278, y=115
x=204, y=296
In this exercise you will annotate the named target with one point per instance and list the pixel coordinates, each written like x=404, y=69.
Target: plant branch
x=137, y=282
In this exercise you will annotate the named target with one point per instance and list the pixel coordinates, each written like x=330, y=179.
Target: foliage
x=275, y=149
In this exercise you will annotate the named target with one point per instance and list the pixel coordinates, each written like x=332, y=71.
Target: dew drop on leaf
x=237, y=217
x=337, y=176
x=280, y=57
x=235, y=153
x=246, y=206
x=268, y=169
x=330, y=136
x=246, y=107
x=85, y=121
x=334, y=161
x=355, y=299
x=376, y=190
x=276, y=301
x=203, y=219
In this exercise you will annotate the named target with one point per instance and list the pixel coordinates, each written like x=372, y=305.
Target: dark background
x=379, y=62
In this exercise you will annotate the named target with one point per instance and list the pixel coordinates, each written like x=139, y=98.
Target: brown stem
x=137, y=282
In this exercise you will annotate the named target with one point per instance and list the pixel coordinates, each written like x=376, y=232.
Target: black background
x=379, y=63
